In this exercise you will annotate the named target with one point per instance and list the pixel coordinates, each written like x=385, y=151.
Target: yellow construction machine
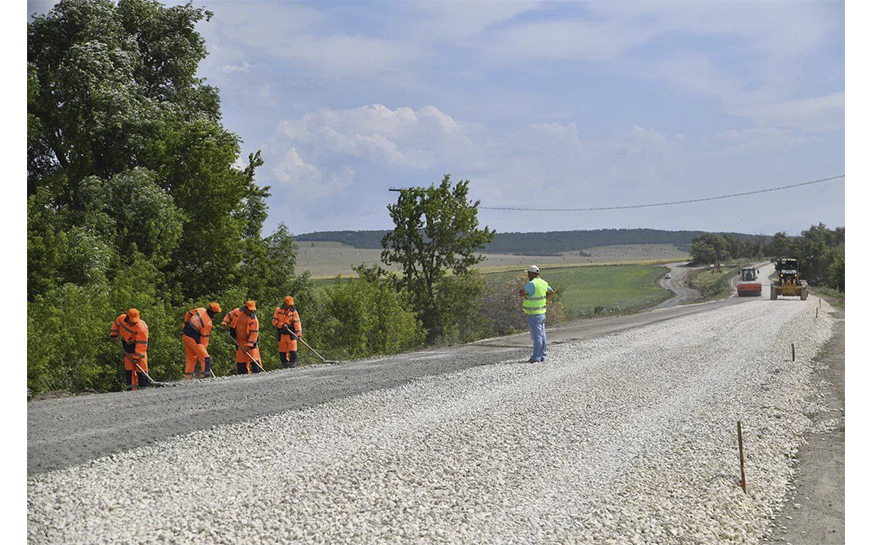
x=788, y=282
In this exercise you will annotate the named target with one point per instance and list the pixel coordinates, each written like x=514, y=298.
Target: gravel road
x=627, y=437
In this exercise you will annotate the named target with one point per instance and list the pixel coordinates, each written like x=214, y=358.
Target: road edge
x=814, y=510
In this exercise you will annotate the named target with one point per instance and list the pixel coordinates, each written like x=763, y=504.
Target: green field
x=592, y=290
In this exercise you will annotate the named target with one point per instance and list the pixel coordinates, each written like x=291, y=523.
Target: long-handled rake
x=294, y=335
x=247, y=353
x=152, y=382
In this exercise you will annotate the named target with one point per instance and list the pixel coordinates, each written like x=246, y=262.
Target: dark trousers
x=140, y=377
x=289, y=358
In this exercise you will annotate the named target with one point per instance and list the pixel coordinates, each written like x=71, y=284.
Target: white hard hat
x=533, y=269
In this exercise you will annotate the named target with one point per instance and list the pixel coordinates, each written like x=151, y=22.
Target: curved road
x=676, y=284
x=70, y=431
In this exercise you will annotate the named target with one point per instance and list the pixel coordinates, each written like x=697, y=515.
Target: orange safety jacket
x=134, y=336
x=287, y=317
x=198, y=325
x=247, y=329
x=229, y=321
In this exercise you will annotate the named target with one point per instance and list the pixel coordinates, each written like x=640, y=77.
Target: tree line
x=820, y=250
x=550, y=243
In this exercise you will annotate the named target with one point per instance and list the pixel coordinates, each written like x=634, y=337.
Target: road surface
x=626, y=434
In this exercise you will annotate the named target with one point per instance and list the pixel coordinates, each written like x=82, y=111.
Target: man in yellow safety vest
x=536, y=294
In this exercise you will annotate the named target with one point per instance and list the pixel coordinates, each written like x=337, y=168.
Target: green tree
x=710, y=248
x=436, y=231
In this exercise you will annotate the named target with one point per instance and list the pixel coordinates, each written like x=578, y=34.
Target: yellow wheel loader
x=788, y=282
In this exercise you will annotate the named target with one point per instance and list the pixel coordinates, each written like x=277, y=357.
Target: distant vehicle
x=748, y=285
x=668, y=276
x=789, y=281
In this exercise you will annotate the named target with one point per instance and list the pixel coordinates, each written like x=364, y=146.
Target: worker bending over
x=246, y=328
x=195, y=336
x=286, y=320
x=536, y=294
x=134, y=340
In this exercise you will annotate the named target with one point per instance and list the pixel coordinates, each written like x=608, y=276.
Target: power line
x=670, y=203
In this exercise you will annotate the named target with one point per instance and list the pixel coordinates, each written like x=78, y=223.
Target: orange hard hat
x=251, y=305
x=289, y=301
x=214, y=307
x=133, y=315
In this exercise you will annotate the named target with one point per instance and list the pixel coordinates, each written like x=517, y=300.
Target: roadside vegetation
x=714, y=284
x=820, y=250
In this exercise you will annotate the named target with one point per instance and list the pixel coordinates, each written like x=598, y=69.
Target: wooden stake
x=816, y=312
x=792, y=352
x=741, y=457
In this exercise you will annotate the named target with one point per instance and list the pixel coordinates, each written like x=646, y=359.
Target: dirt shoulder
x=815, y=511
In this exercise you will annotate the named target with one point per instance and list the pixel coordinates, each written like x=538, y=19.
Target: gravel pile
x=628, y=438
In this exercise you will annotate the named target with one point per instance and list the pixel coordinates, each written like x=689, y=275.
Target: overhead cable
x=670, y=203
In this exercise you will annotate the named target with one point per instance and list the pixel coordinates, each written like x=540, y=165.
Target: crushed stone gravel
x=626, y=438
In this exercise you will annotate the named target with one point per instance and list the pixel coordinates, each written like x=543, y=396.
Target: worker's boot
x=241, y=369
x=143, y=380
x=128, y=380
x=292, y=357
x=284, y=357
x=207, y=371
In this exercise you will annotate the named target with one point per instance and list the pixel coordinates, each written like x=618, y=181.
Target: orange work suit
x=134, y=340
x=284, y=319
x=247, y=334
x=196, y=330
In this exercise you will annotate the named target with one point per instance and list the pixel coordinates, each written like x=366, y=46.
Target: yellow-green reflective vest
x=535, y=304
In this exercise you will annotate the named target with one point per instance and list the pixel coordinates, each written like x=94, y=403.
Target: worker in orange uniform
x=247, y=334
x=286, y=320
x=134, y=340
x=195, y=336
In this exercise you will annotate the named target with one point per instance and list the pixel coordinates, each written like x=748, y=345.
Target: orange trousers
x=286, y=343
x=193, y=353
x=129, y=366
x=241, y=358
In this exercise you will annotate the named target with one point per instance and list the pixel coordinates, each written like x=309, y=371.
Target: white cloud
x=825, y=113
x=398, y=138
x=306, y=181
x=230, y=68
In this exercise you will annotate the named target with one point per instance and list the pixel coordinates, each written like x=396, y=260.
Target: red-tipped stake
x=741, y=456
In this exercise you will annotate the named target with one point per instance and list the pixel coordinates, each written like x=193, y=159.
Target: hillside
x=551, y=243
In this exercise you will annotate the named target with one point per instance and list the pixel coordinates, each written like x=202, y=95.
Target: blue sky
x=538, y=104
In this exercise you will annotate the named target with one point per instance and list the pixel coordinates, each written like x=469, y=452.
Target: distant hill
x=550, y=243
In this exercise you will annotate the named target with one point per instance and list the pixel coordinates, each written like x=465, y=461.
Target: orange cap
x=214, y=307
x=251, y=305
x=289, y=301
x=133, y=315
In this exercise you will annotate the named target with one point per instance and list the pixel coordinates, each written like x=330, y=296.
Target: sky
x=561, y=105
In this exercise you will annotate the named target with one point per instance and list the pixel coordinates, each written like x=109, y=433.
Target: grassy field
x=604, y=289
x=328, y=259
x=593, y=290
